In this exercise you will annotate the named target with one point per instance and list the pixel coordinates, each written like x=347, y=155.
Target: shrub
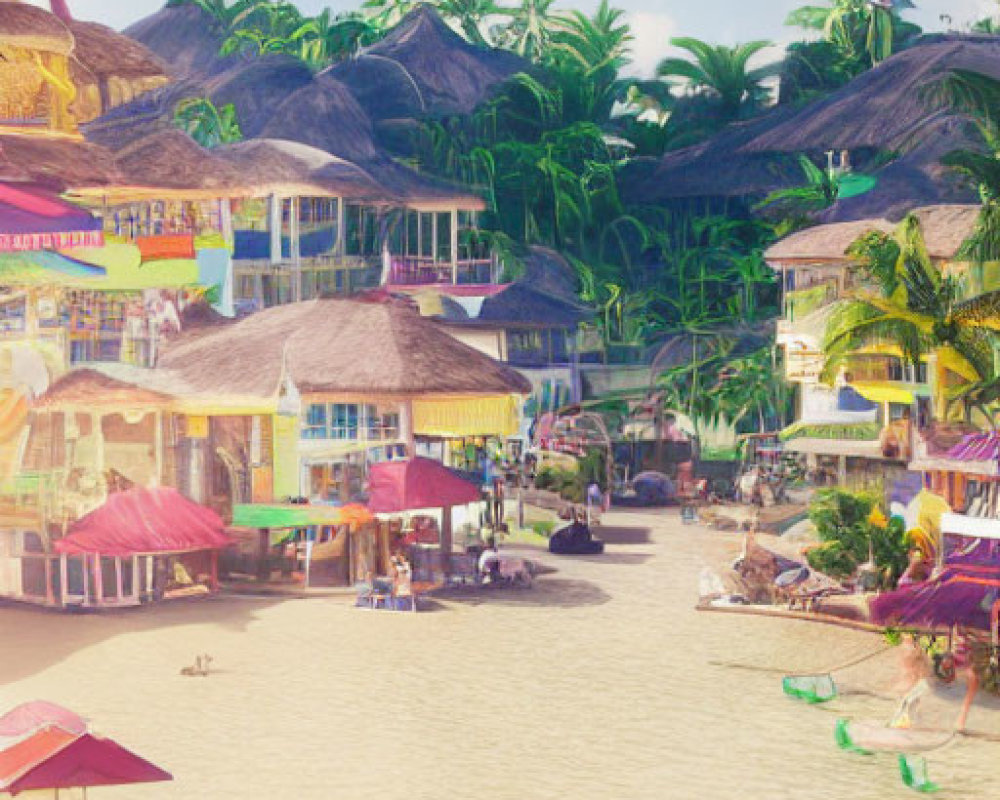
x=849, y=523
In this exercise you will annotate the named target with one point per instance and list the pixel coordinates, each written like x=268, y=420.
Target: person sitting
x=402, y=576
x=489, y=561
x=917, y=571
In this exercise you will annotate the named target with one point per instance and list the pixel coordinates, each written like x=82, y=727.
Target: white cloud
x=652, y=31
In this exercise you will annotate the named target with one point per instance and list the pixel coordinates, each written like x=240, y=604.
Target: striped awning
x=32, y=219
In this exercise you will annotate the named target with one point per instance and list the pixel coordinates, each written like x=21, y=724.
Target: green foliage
x=845, y=431
x=857, y=28
x=849, y=535
x=722, y=72
x=544, y=528
x=821, y=190
x=207, y=124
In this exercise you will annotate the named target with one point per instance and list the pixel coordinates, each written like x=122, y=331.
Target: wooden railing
x=423, y=270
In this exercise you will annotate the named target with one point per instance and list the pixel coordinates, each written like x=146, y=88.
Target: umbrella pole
x=446, y=541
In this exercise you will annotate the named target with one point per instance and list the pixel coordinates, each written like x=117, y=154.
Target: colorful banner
x=22, y=242
x=164, y=248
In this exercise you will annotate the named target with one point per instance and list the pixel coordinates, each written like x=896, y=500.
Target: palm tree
x=590, y=52
x=978, y=96
x=820, y=191
x=469, y=14
x=854, y=24
x=530, y=29
x=207, y=124
x=912, y=304
x=721, y=72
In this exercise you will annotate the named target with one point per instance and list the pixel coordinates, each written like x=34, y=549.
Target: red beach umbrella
x=417, y=483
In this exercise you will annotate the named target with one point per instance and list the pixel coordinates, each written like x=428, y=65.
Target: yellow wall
x=286, y=457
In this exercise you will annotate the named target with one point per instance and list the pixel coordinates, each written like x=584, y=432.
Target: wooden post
x=434, y=237
x=341, y=232
x=214, y=574
x=274, y=226
x=454, y=246
x=406, y=427
x=98, y=583
x=119, y=581
x=446, y=540
x=158, y=446
x=226, y=217
x=63, y=578
x=295, y=248
x=50, y=597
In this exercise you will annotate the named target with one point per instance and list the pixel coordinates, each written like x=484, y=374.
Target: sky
x=653, y=22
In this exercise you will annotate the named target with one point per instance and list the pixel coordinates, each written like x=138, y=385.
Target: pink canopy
x=32, y=219
x=145, y=521
x=29, y=717
x=52, y=758
x=418, y=483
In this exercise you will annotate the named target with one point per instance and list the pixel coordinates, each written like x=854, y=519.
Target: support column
x=274, y=226
x=295, y=248
x=50, y=597
x=341, y=228
x=98, y=583
x=420, y=236
x=158, y=447
x=434, y=237
x=406, y=427
x=63, y=578
x=454, y=246
x=446, y=540
x=119, y=580
x=214, y=573
x=226, y=217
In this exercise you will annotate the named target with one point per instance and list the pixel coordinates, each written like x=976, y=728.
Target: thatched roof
x=257, y=87
x=547, y=271
x=915, y=179
x=273, y=163
x=521, y=303
x=185, y=38
x=105, y=53
x=883, y=108
x=945, y=228
x=342, y=346
x=423, y=67
x=323, y=114
x=422, y=191
x=56, y=163
x=170, y=159
x=716, y=167
x=85, y=388
x=33, y=28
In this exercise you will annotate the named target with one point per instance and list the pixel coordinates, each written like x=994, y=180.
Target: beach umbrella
x=29, y=717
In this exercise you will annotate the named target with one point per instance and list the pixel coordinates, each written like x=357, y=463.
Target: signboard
x=803, y=366
x=21, y=242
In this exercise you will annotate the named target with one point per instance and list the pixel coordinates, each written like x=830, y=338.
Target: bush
x=543, y=528
x=849, y=523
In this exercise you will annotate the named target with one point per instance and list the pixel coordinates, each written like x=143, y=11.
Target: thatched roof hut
x=56, y=163
x=424, y=68
x=883, y=108
x=172, y=160
x=324, y=114
x=422, y=191
x=915, y=179
x=716, y=167
x=257, y=87
x=295, y=168
x=338, y=346
x=33, y=28
x=945, y=228
x=523, y=304
x=83, y=388
x=186, y=38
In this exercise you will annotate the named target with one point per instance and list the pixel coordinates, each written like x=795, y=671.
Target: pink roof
x=418, y=483
x=146, y=521
x=53, y=758
x=29, y=717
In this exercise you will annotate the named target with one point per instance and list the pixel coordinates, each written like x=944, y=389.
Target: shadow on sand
x=616, y=534
x=618, y=559
x=547, y=593
x=43, y=637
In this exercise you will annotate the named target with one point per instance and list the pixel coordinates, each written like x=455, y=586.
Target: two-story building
x=865, y=425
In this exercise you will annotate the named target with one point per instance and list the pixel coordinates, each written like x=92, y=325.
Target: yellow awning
x=495, y=415
x=883, y=393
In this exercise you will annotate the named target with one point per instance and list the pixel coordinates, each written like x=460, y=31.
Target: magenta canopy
x=32, y=219
x=29, y=717
x=145, y=522
x=396, y=486
x=81, y=761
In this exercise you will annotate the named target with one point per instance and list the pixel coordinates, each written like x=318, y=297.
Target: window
x=316, y=416
x=344, y=419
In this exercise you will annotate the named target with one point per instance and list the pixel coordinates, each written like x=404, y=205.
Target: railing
x=420, y=271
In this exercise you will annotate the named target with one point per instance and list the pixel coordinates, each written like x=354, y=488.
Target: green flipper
x=913, y=770
x=844, y=740
x=811, y=688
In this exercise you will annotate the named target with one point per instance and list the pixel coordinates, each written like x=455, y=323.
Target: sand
x=602, y=681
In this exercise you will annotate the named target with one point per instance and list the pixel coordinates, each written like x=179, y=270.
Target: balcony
x=423, y=271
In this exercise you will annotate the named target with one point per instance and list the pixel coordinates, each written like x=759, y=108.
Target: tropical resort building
x=236, y=421
x=861, y=424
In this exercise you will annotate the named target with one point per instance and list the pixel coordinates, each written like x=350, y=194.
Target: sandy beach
x=602, y=681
